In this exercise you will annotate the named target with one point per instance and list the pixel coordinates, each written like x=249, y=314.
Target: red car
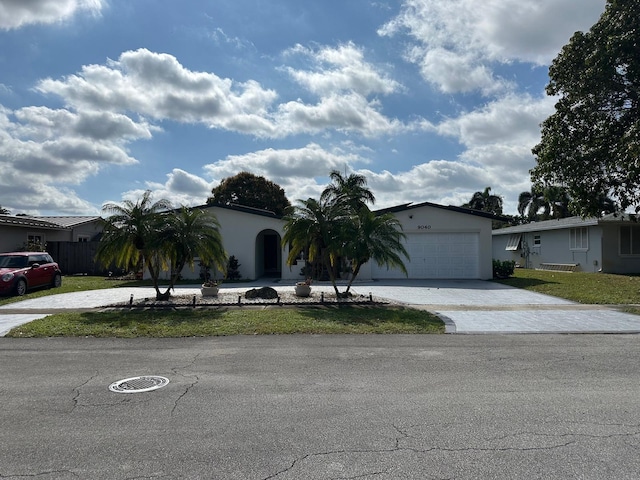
x=22, y=271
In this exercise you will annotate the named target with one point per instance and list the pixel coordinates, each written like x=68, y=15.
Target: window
x=35, y=239
x=630, y=240
x=536, y=240
x=83, y=238
x=514, y=242
x=579, y=238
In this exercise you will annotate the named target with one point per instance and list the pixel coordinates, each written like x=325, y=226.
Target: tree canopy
x=485, y=201
x=251, y=191
x=591, y=144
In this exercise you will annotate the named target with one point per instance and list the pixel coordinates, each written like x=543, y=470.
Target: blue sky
x=431, y=100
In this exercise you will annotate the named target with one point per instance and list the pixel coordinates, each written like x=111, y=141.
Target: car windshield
x=13, y=261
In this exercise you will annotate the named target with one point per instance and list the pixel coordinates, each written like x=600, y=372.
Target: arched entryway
x=268, y=254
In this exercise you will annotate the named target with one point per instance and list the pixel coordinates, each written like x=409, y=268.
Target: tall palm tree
x=317, y=227
x=530, y=203
x=375, y=237
x=485, y=201
x=352, y=188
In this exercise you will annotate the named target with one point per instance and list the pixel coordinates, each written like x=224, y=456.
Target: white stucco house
x=443, y=242
x=610, y=244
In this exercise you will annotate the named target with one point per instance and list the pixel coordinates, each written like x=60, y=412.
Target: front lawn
x=234, y=321
x=582, y=287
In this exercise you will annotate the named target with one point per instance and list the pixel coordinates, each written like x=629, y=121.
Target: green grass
x=235, y=321
x=588, y=288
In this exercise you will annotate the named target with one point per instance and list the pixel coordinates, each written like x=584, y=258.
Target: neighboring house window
x=579, y=238
x=630, y=240
x=536, y=240
x=83, y=238
x=514, y=242
x=33, y=240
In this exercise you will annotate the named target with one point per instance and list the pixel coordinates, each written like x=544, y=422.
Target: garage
x=438, y=256
x=443, y=242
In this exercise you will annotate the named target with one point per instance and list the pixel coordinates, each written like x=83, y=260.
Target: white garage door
x=438, y=255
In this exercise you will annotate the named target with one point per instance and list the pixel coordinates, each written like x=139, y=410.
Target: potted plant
x=303, y=289
x=210, y=288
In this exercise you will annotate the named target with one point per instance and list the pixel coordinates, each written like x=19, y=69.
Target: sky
x=430, y=100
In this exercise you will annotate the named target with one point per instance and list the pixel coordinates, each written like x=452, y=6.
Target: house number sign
x=424, y=227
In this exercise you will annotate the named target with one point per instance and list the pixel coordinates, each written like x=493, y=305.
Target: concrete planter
x=302, y=289
x=209, y=291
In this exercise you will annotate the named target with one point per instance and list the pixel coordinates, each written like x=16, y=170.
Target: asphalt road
x=323, y=407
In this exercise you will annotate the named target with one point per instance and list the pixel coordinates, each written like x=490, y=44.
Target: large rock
x=264, y=292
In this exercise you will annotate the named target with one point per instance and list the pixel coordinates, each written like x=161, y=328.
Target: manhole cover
x=138, y=384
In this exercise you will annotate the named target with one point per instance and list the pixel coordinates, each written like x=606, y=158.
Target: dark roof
x=21, y=221
x=69, y=221
x=467, y=211
x=560, y=223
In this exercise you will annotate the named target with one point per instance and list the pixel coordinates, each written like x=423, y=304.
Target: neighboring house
x=610, y=244
x=17, y=232
x=71, y=241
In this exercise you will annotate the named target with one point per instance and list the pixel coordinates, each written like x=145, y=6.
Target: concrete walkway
x=466, y=306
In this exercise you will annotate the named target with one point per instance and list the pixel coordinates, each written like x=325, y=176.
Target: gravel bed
x=237, y=298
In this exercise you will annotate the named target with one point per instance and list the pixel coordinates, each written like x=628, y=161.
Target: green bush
x=503, y=269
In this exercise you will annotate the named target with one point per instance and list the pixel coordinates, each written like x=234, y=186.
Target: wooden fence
x=76, y=257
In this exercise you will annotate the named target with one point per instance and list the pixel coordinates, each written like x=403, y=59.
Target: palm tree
x=130, y=232
x=558, y=199
x=377, y=237
x=485, y=202
x=352, y=188
x=530, y=204
x=317, y=227
x=189, y=234
x=4, y=211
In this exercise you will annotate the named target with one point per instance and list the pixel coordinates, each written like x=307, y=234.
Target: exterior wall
x=554, y=247
x=243, y=236
x=87, y=231
x=612, y=261
x=428, y=219
x=14, y=238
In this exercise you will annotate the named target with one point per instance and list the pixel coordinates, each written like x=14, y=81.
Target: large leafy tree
x=485, y=201
x=153, y=235
x=591, y=144
x=251, y=191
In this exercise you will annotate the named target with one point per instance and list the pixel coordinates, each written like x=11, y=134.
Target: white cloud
x=459, y=37
x=40, y=147
x=341, y=69
x=18, y=13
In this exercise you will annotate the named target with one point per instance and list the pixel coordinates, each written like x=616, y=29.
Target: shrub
x=503, y=269
x=232, y=269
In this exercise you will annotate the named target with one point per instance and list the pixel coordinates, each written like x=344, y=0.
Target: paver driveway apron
x=467, y=306
x=475, y=306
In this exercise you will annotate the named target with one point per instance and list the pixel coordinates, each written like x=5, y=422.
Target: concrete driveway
x=466, y=306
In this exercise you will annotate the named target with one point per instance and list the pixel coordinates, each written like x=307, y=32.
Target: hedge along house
x=610, y=244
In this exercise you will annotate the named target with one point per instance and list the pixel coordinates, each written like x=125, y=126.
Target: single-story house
x=610, y=244
x=443, y=242
x=17, y=231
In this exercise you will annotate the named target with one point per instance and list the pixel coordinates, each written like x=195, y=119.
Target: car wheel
x=21, y=287
x=57, y=280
